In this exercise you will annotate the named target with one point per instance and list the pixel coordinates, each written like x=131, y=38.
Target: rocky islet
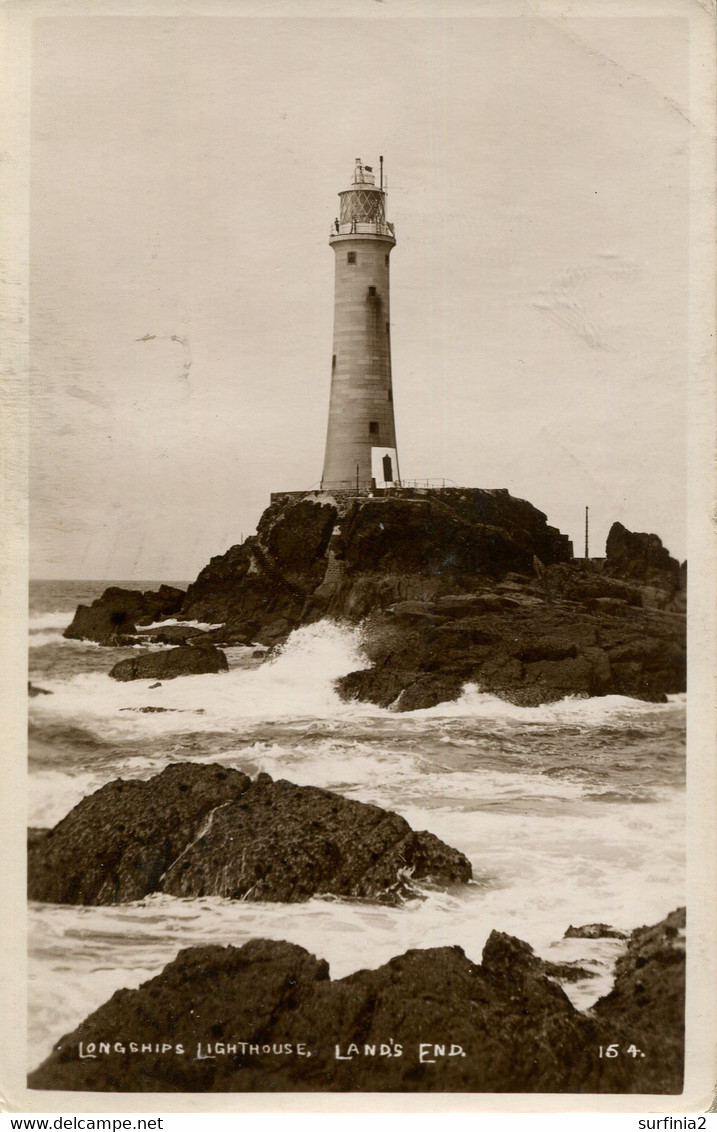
x=452, y=586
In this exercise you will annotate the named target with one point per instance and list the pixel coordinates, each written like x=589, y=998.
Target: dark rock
x=466, y=605
x=288, y=843
x=422, y=535
x=112, y=618
x=409, y=610
x=228, y=636
x=529, y=656
x=35, y=690
x=512, y=1028
x=594, y=931
x=200, y=641
x=116, y=844
x=640, y=557
x=436, y=535
x=579, y=582
x=151, y=710
x=647, y=1001
x=270, y=575
x=275, y=633
x=427, y=691
x=613, y=605
x=297, y=538
x=210, y=597
x=196, y=831
x=547, y=648
x=369, y=685
x=182, y=661
x=171, y=598
x=103, y=624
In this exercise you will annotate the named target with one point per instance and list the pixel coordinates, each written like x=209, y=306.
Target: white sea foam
x=297, y=683
x=204, y=625
x=547, y=849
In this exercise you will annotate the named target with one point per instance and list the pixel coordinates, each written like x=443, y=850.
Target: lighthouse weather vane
x=361, y=437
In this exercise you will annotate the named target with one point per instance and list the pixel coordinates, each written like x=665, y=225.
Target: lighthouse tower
x=361, y=436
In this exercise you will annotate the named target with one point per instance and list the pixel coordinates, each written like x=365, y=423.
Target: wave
x=298, y=683
x=585, y=709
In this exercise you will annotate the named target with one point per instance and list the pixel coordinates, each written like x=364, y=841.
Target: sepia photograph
x=361, y=398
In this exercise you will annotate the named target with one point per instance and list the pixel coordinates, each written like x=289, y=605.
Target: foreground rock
x=112, y=619
x=206, y=830
x=647, y=1001
x=166, y=665
x=247, y=1019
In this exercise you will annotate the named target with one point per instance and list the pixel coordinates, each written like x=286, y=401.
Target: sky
x=185, y=174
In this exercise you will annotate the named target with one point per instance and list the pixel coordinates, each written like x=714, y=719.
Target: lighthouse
x=361, y=436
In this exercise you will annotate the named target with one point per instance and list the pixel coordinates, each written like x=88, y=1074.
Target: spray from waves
x=297, y=683
x=52, y=794
x=39, y=639
x=58, y=620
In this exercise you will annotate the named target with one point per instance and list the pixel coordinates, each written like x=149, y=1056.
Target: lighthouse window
x=390, y=394
x=351, y=257
x=372, y=291
x=333, y=363
x=386, y=261
x=373, y=427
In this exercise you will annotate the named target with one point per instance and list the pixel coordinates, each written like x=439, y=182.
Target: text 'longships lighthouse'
x=361, y=437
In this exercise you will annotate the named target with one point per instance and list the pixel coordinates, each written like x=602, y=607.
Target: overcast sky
x=184, y=179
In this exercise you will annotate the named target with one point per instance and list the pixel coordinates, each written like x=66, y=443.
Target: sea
x=570, y=813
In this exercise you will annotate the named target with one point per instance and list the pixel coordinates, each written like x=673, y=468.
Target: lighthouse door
x=382, y=461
